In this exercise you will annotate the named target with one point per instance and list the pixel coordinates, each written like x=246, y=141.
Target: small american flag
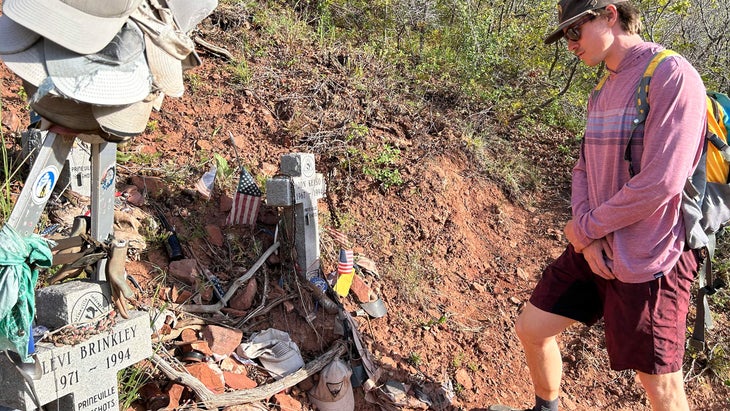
x=246, y=202
x=345, y=263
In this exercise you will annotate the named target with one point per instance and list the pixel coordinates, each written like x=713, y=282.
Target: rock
x=464, y=379
x=215, y=235
x=222, y=340
x=185, y=270
x=206, y=375
x=177, y=393
x=154, y=186
x=133, y=196
x=238, y=381
x=11, y=121
x=243, y=299
x=363, y=293
x=286, y=402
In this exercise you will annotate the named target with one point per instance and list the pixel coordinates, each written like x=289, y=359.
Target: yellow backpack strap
x=642, y=94
x=642, y=100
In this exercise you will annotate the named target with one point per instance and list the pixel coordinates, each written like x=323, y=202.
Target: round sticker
x=43, y=186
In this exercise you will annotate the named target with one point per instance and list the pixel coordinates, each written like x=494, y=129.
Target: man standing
x=626, y=261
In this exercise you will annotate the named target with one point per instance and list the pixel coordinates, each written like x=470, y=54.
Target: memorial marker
x=299, y=187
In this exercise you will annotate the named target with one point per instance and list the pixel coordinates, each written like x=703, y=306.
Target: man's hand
x=572, y=236
x=596, y=254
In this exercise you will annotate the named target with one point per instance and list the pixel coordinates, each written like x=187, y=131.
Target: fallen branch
x=214, y=308
x=212, y=401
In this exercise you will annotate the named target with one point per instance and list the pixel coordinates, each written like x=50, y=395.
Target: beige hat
x=15, y=38
x=82, y=26
x=64, y=112
x=333, y=392
x=124, y=121
x=116, y=75
x=167, y=71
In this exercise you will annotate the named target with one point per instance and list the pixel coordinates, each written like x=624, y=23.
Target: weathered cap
x=570, y=11
x=83, y=26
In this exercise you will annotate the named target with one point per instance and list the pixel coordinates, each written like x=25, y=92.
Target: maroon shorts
x=645, y=323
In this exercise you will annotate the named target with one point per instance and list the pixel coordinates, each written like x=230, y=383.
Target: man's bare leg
x=665, y=391
x=537, y=330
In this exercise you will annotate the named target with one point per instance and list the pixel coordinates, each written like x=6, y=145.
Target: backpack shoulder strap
x=642, y=100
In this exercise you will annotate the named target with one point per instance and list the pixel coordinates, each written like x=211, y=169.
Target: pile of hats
x=99, y=67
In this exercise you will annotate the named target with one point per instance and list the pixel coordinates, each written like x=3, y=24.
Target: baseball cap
x=570, y=11
x=82, y=26
x=333, y=392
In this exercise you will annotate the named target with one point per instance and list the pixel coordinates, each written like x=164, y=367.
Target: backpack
x=706, y=195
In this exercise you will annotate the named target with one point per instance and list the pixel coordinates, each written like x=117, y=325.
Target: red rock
x=285, y=402
x=238, y=381
x=362, y=291
x=154, y=186
x=177, y=393
x=185, y=270
x=183, y=296
x=222, y=340
x=215, y=235
x=11, y=121
x=464, y=379
x=225, y=203
x=243, y=299
x=206, y=375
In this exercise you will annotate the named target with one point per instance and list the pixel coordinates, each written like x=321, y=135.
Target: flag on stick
x=246, y=202
x=345, y=273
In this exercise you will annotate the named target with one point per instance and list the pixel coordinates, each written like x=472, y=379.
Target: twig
x=213, y=308
x=213, y=401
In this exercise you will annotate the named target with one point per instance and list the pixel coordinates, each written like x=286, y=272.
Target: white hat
x=15, y=38
x=333, y=392
x=116, y=75
x=28, y=64
x=189, y=13
x=82, y=26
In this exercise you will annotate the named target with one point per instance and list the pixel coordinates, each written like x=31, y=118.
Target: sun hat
x=124, y=121
x=570, y=11
x=15, y=38
x=116, y=75
x=333, y=391
x=62, y=111
x=167, y=71
x=28, y=64
x=82, y=26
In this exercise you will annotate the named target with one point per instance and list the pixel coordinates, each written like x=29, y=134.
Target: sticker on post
x=43, y=186
x=107, y=180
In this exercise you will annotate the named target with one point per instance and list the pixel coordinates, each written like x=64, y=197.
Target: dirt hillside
x=457, y=254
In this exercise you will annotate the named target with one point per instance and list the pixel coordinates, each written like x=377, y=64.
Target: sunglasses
x=573, y=33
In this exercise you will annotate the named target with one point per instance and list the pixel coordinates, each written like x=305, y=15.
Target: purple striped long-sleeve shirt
x=640, y=217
